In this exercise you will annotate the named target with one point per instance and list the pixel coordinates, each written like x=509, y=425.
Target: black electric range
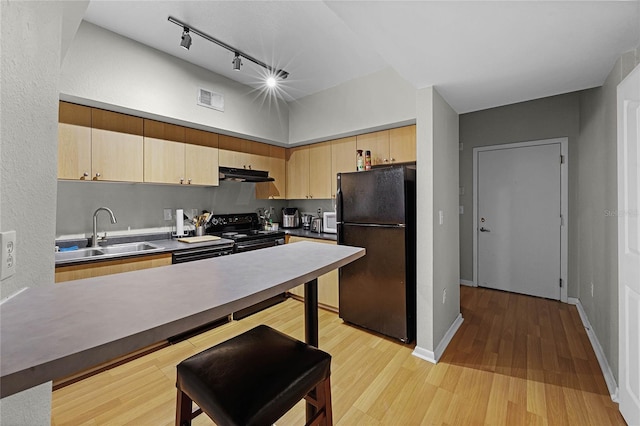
x=245, y=230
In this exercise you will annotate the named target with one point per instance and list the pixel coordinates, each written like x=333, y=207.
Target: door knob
x=483, y=229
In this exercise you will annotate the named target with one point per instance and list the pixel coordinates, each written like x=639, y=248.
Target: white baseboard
x=468, y=283
x=432, y=356
x=602, y=359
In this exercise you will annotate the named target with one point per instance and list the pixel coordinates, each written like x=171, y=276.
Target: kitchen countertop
x=167, y=245
x=299, y=232
x=53, y=331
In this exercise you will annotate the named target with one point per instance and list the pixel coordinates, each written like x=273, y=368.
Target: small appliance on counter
x=290, y=217
x=316, y=225
x=306, y=221
x=329, y=223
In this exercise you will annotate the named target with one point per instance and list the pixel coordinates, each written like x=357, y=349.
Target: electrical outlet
x=167, y=214
x=444, y=296
x=319, y=211
x=591, y=289
x=440, y=217
x=8, y=247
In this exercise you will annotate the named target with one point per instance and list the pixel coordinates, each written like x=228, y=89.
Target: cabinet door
x=343, y=159
x=327, y=283
x=298, y=173
x=258, y=156
x=377, y=143
x=74, y=141
x=402, y=144
x=116, y=146
x=234, y=152
x=320, y=170
x=201, y=157
x=201, y=164
x=277, y=170
x=163, y=153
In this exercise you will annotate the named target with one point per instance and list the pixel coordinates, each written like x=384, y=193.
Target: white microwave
x=329, y=223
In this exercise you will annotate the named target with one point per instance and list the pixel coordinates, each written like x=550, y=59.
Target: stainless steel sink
x=78, y=254
x=107, y=251
x=129, y=248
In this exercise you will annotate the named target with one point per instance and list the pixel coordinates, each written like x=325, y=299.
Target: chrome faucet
x=94, y=238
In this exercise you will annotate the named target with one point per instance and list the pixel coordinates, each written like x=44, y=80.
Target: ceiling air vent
x=210, y=99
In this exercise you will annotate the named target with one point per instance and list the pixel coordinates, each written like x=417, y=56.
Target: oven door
x=257, y=244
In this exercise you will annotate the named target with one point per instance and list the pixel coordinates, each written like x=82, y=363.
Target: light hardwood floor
x=516, y=360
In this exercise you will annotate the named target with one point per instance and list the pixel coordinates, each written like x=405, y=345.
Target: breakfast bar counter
x=50, y=332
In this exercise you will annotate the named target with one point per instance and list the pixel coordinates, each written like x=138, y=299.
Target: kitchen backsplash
x=141, y=206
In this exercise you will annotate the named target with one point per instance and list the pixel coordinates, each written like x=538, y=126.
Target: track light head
x=186, y=39
x=237, y=62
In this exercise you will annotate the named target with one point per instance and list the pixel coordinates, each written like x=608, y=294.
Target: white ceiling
x=478, y=54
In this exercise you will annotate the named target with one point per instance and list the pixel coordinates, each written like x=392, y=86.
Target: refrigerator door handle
x=339, y=202
x=377, y=225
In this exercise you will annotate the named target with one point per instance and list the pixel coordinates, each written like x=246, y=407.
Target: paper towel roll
x=179, y=222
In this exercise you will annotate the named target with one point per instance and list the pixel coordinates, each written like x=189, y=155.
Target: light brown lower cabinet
x=327, y=283
x=109, y=267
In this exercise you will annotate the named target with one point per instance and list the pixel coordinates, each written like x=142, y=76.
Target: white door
x=629, y=246
x=518, y=218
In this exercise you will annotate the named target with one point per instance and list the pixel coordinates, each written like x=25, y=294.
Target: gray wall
x=556, y=116
x=595, y=240
x=588, y=119
x=106, y=70
x=141, y=206
x=379, y=100
x=32, y=44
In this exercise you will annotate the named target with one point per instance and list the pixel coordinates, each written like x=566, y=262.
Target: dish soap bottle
x=359, y=161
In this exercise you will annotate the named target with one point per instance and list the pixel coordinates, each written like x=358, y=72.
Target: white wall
x=106, y=70
x=376, y=101
x=31, y=56
x=446, y=252
x=437, y=245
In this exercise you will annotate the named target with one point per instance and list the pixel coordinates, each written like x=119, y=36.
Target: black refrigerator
x=376, y=210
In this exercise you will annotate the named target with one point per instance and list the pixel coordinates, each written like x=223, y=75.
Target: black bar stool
x=254, y=379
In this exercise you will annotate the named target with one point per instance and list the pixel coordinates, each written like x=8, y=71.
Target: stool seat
x=253, y=378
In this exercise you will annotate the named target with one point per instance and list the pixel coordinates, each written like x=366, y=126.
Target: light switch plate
x=8, y=247
x=167, y=214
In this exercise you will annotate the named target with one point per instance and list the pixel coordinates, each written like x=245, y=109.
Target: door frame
x=564, y=200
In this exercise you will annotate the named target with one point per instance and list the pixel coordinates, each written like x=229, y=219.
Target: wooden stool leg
x=183, y=409
x=321, y=399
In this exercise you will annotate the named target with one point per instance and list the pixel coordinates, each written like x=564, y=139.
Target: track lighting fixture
x=186, y=39
x=237, y=62
x=275, y=74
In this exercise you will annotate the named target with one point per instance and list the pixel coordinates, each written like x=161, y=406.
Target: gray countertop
x=299, y=232
x=52, y=331
x=167, y=246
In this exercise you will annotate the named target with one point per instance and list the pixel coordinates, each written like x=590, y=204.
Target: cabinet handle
x=244, y=166
x=385, y=161
x=189, y=181
x=97, y=176
x=393, y=159
x=181, y=181
x=84, y=175
x=310, y=196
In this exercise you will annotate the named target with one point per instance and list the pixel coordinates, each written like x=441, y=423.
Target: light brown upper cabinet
x=116, y=146
x=277, y=170
x=201, y=157
x=402, y=144
x=309, y=171
x=163, y=153
x=179, y=155
x=74, y=141
x=343, y=159
x=389, y=146
x=245, y=154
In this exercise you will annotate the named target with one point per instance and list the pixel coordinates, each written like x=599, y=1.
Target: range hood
x=244, y=175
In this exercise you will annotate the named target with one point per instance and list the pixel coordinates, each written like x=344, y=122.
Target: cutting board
x=200, y=239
